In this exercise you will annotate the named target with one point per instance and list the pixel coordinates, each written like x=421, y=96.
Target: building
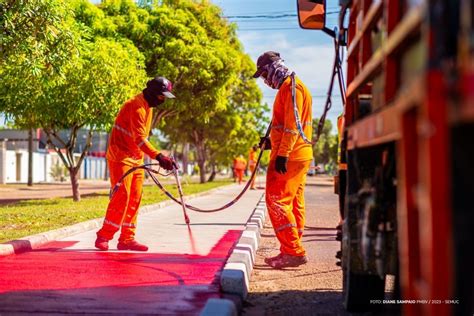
x=47, y=166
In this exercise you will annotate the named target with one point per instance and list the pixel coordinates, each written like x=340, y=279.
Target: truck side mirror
x=312, y=14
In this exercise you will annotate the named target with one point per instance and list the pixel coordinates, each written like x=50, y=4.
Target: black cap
x=161, y=85
x=265, y=59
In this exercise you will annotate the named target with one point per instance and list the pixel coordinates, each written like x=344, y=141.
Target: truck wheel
x=360, y=290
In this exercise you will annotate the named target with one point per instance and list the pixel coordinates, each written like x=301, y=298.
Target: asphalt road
x=315, y=288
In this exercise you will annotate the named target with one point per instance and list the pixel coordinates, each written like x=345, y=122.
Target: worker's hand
x=166, y=162
x=266, y=140
x=280, y=164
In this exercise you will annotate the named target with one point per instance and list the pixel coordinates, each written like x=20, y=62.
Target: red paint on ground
x=55, y=268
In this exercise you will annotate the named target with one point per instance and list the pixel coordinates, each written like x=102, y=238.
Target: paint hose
x=152, y=172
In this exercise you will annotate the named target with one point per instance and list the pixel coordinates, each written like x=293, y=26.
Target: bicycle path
x=178, y=274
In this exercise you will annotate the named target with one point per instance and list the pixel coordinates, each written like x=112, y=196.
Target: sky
x=310, y=53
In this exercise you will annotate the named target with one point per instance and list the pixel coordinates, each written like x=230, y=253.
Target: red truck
x=407, y=152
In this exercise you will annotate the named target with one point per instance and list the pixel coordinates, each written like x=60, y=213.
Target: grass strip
x=36, y=216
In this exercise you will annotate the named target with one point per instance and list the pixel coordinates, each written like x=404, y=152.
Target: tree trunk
x=30, y=157
x=201, y=154
x=213, y=172
x=185, y=157
x=201, y=160
x=74, y=175
x=202, y=171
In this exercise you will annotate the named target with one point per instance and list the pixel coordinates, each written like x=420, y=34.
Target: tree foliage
x=35, y=35
x=92, y=85
x=217, y=108
x=325, y=150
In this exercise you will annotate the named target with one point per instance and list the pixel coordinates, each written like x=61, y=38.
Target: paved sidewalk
x=176, y=276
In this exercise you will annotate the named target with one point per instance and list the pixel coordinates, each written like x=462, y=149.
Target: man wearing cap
x=290, y=159
x=127, y=145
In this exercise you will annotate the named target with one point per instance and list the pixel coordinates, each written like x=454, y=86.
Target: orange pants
x=239, y=174
x=284, y=196
x=123, y=207
x=251, y=169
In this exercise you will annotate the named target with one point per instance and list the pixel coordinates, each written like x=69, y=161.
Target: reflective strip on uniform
x=277, y=127
x=307, y=123
x=284, y=226
x=291, y=131
x=300, y=230
x=123, y=130
x=129, y=225
x=142, y=142
x=106, y=221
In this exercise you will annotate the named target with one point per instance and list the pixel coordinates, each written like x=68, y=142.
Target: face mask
x=152, y=99
x=276, y=73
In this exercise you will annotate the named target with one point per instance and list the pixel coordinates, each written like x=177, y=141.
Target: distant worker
x=290, y=159
x=253, y=164
x=127, y=145
x=239, y=166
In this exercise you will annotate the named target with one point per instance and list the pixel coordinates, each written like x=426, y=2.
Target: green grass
x=35, y=216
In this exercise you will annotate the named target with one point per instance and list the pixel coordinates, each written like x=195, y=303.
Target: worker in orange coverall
x=290, y=159
x=253, y=164
x=127, y=145
x=239, y=167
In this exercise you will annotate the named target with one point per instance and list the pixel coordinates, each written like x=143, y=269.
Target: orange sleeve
x=140, y=130
x=290, y=132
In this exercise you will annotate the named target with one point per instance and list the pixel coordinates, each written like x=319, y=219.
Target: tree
x=325, y=150
x=34, y=39
x=189, y=43
x=94, y=84
x=235, y=130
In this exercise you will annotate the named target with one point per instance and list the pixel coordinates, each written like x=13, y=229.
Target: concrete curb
x=235, y=276
x=219, y=306
x=29, y=243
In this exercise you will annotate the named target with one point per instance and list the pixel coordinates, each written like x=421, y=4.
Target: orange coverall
x=252, y=165
x=239, y=166
x=285, y=192
x=127, y=143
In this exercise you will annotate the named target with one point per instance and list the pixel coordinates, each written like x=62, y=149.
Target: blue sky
x=309, y=53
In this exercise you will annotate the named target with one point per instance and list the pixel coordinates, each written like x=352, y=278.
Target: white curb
x=221, y=307
x=235, y=277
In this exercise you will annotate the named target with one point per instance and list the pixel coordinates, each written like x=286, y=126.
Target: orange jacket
x=240, y=163
x=252, y=157
x=284, y=135
x=128, y=138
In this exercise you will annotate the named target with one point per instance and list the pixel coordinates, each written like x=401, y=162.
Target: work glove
x=280, y=164
x=166, y=162
x=266, y=140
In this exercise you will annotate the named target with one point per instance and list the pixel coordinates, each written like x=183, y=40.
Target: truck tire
x=361, y=291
